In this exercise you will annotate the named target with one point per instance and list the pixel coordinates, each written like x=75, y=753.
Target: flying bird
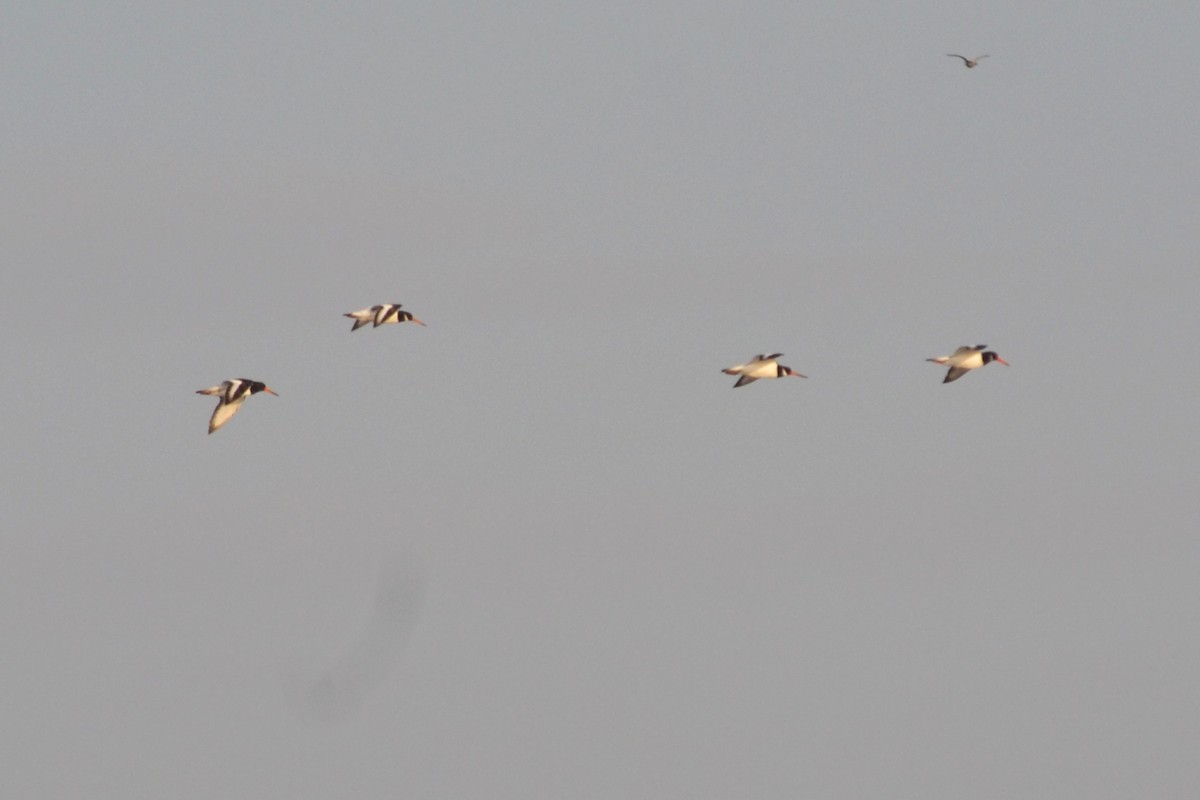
x=386, y=314
x=761, y=367
x=232, y=394
x=971, y=63
x=965, y=359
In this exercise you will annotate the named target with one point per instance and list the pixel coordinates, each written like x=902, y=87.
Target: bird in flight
x=965, y=359
x=386, y=314
x=232, y=394
x=971, y=63
x=761, y=367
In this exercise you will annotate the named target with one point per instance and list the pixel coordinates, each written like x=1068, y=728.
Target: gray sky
x=540, y=549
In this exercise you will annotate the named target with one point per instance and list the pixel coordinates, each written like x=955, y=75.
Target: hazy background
x=540, y=549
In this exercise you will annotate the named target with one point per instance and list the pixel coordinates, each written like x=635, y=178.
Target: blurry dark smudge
x=342, y=689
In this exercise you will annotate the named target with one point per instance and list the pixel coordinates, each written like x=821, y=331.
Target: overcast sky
x=540, y=548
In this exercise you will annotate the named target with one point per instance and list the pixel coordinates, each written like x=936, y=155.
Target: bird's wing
x=380, y=314
x=222, y=414
x=361, y=317
x=212, y=389
x=238, y=390
x=956, y=55
x=745, y=379
x=979, y=57
x=955, y=373
x=966, y=350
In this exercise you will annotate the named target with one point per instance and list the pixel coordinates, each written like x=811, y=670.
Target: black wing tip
x=954, y=374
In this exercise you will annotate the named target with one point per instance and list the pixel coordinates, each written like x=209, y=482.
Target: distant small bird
x=386, y=314
x=966, y=359
x=232, y=393
x=761, y=367
x=971, y=63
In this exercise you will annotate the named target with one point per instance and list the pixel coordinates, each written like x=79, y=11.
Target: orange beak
x=1002, y=361
x=270, y=390
x=422, y=324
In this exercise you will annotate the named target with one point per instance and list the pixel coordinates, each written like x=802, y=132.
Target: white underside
x=224, y=412
x=757, y=369
x=966, y=361
x=971, y=360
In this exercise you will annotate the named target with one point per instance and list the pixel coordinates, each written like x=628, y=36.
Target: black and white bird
x=386, y=314
x=761, y=367
x=232, y=394
x=971, y=63
x=965, y=359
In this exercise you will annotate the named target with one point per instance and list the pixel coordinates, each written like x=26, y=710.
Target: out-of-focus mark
x=341, y=690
